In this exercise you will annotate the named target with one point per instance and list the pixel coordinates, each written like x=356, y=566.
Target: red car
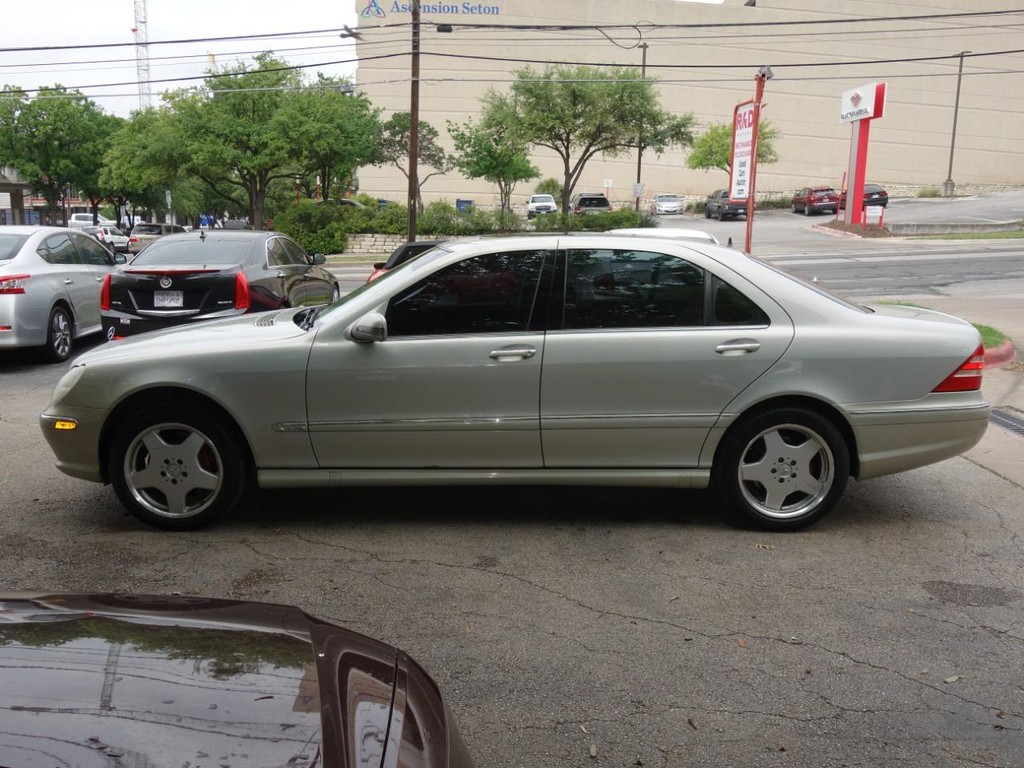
x=816, y=199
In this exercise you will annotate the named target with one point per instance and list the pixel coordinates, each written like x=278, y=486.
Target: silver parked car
x=666, y=203
x=50, y=280
x=587, y=360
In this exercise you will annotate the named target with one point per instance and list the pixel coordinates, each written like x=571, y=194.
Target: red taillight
x=576, y=209
x=13, y=283
x=241, y=292
x=105, y=295
x=967, y=377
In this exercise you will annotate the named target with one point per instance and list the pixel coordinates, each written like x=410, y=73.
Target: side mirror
x=319, y=258
x=369, y=328
x=120, y=258
x=378, y=265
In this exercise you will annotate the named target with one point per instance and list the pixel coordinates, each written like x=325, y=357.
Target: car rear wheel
x=178, y=467
x=807, y=209
x=781, y=470
x=58, y=336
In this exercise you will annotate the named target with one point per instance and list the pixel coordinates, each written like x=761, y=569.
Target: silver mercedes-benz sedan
x=560, y=359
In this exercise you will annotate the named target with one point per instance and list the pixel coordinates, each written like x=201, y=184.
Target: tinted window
x=295, y=254
x=58, y=249
x=277, y=255
x=493, y=293
x=146, y=229
x=730, y=307
x=91, y=252
x=631, y=289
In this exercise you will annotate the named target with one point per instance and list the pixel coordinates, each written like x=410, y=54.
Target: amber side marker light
x=65, y=424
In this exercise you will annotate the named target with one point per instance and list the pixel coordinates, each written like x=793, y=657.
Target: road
x=578, y=627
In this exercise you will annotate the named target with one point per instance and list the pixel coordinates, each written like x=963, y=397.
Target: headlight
x=67, y=383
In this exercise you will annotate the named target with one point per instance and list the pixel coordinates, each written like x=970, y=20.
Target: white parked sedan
x=50, y=281
x=587, y=360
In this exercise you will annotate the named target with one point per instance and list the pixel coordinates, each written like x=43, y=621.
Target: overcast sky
x=103, y=22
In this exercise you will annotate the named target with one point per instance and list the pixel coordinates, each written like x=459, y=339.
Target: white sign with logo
x=858, y=104
x=742, y=147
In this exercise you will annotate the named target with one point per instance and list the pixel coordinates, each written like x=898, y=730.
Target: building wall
x=706, y=71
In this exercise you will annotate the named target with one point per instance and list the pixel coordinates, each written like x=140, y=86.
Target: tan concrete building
x=705, y=58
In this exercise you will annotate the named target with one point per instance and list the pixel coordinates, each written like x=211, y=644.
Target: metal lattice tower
x=142, y=53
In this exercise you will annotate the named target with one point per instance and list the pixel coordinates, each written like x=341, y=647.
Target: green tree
x=56, y=142
x=492, y=150
x=713, y=148
x=579, y=111
x=394, y=150
x=228, y=136
x=332, y=131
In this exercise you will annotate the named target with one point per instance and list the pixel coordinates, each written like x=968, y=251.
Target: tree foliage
x=56, y=142
x=579, y=112
x=333, y=130
x=492, y=150
x=394, y=150
x=713, y=148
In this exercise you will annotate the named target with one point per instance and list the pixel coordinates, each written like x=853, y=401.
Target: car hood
x=94, y=680
x=251, y=331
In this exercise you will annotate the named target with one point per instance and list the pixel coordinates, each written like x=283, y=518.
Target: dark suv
x=589, y=202
x=720, y=205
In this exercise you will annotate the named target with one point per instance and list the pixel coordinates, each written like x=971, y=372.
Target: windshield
x=194, y=251
x=10, y=245
x=668, y=198
x=543, y=199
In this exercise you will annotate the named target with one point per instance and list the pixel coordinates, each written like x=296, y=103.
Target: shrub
x=929, y=192
x=314, y=225
x=550, y=187
x=391, y=220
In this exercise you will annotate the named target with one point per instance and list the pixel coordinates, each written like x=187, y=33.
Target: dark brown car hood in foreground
x=167, y=681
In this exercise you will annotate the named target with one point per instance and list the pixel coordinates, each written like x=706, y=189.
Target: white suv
x=83, y=220
x=540, y=204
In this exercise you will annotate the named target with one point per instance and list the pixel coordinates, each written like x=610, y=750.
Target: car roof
x=666, y=232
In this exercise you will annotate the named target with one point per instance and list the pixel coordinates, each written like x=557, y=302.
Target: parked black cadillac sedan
x=208, y=274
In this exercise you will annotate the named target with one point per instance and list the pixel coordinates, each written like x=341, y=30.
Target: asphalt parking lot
x=597, y=627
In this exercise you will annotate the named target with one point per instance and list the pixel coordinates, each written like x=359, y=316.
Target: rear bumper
x=890, y=442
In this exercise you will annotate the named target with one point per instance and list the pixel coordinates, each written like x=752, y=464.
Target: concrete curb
x=997, y=357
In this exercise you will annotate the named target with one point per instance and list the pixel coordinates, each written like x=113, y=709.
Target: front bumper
x=76, y=449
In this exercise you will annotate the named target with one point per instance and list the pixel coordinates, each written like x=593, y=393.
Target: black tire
x=335, y=293
x=707, y=212
x=807, y=209
x=782, y=469
x=59, y=336
x=721, y=214
x=178, y=467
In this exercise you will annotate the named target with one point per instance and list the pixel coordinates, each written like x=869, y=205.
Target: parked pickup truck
x=720, y=206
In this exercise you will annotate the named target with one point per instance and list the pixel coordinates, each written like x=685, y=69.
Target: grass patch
x=1009, y=234
x=929, y=192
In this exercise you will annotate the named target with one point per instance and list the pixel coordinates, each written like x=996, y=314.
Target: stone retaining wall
x=373, y=244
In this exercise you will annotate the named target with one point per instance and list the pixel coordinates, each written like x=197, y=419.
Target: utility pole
x=414, y=123
x=640, y=139
x=948, y=186
x=763, y=75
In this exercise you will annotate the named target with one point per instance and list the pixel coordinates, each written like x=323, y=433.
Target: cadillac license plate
x=164, y=299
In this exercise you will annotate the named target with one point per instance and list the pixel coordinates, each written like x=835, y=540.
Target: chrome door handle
x=68, y=281
x=738, y=347
x=513, y=352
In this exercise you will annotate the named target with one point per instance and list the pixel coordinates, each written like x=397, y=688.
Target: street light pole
x=414, y=123
x=948, y=185
x=640, y=138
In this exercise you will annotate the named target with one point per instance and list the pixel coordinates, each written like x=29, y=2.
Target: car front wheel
x=781, y=470
x=178, y=467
